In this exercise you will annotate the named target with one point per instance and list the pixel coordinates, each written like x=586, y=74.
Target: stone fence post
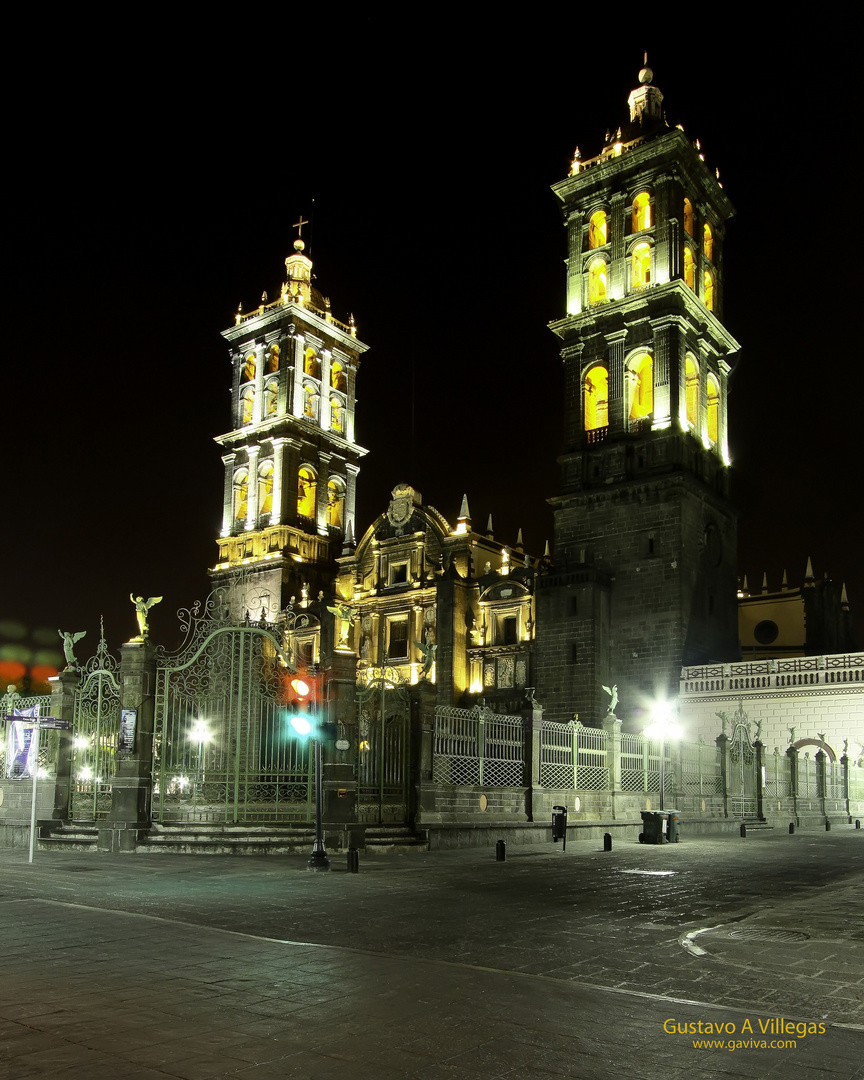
x=63, y=689
x=722, y=742
x=612, y=727
x=792, y=757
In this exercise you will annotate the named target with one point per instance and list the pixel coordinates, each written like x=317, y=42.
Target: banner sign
x=126, y=735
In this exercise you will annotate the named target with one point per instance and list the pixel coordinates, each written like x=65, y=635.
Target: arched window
x=598, y=230
x=337, y=377
x=642, y=211
x=311, y=364
x=271, y=390
x=708, y=290
x=640, y=372
x=688, y=217
x=241, y=495
x=597, y=281
x=337, y=413
x=713, y=401
x=247, y=405
x=307, y=491
x=708, y=242
x=273, y=359
x=691, y=382
x=689, y=268
x=310, y=401
x=641, y=271
x=335, y=502
x=249, y=369
x=265, y=488
x=596, y=389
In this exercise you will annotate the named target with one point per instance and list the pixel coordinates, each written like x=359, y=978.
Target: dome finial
x=646, y=74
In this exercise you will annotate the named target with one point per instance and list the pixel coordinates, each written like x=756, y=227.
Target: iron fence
x=477, y=747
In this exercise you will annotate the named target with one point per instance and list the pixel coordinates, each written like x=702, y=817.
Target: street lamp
x=200, y=733
x=663, y=727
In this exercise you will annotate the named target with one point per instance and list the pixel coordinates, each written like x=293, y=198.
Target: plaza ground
x=443, y=964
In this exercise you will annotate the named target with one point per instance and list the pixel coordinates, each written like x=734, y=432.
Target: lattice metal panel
x=556, y=775
x=455, y=770
x=592, y=778
x=497, y=773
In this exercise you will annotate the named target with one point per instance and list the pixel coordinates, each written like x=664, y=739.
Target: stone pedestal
x=63, y=688
x=132, y=783
x=423, y=699
x=612, y=727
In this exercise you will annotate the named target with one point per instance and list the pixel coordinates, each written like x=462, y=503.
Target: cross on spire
x=299, y=226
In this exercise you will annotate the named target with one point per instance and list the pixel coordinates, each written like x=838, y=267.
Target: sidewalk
x=437, y=965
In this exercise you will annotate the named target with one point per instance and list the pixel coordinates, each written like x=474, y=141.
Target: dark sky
x=155, y=178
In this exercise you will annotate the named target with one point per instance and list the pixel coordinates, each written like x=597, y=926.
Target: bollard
x=791, y=827
x=857, y=823
x=607, y=841
x=827, y=825
x=353, y=861
x=743, y=829
x=500, y=851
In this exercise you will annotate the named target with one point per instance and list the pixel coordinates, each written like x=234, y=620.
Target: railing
x=700, y=769
x=837, y=670
x=777, y=782
x=596, y=435
x=477, y=747
x=572, y=756
x=291, y=299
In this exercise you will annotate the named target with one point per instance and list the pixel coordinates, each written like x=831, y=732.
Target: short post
x=743, y=830
x=827, y=825
x=353, y=861
x=500, y=851
x=791, y=827
x=607, y=841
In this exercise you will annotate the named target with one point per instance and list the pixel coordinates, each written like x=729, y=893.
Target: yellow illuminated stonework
x=596, y=398
x=641, y=374
x=708, y=290
x=307, y=490
x=708, y=242
x=597, y=282
x=692, y=391
x=642, y=211
x=689, y=268
x=641, y=271
x=597, y=230
x=713, y=402
x=688, y=217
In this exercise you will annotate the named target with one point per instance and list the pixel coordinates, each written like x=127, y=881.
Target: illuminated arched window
x=642, y=211
x=689, y=268
x=337, y=414
x=691, y=377
x=307, y=490
x=596, y=389
x=598, y=230
x=311, y=364
x=708, y=242
x=271, y=389
x=265, y=488
x=713, y=401
x=597, y=282
x=247, y=405
x=249, y=369
x=273, y=359
x=337, y=377
x=688, y=217
x=708, y=292
x=241, y=495
x=641, y=270
x=335, y=502
x=310, y=401
x=640, y=373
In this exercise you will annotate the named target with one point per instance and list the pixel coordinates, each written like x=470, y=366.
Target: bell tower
x=290, y=456
x=644, y=576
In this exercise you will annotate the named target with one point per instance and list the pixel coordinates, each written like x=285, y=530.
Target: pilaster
x=63, y=689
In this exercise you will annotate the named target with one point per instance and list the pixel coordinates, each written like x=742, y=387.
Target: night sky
x=155, y=179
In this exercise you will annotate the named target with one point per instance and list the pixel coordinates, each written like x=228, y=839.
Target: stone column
x=321, y=493
x=63, y=689
x=278, y=453
x=615, y=344
x=574, y=263
x=299, y=346
x=421, y=735
x=844, y=761
x=228, y=494
x=132, y=782
x=351, y=498
x=612, y=726
x=722, y=742
x=821, y=781
x=252, y=489
x=260, y=360
x=324, y=411
x=792, y=756
x=663, y=343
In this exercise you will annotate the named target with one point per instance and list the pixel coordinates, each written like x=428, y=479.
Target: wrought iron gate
x=95, y=726
x=223, y=748
x=383, y=748
x=742, y=780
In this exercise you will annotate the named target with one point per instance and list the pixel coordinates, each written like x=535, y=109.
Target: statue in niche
x=69, y=640
x=344, y=613
x=612, y=691
x=142, y=609
x=364, y=647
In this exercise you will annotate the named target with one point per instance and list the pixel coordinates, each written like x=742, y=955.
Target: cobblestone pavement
x=438, y=964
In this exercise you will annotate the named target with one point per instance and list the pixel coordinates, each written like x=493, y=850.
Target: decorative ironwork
x=95, y=725
x=742, y=780
x=573, y=756
x=383, y=712
x=223, y=749
x=478, y=747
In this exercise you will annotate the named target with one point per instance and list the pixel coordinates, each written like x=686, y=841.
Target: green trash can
x=653, y=827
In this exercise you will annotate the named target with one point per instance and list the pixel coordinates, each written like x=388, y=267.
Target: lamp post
x=200, y=733
x=663, y=727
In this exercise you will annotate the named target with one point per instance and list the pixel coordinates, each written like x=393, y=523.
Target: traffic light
x=300, y=704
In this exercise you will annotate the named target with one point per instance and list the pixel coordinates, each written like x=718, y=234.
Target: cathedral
x=642, y=576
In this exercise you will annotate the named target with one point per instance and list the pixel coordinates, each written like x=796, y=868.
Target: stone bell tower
x=290, y=456
x=644, y=575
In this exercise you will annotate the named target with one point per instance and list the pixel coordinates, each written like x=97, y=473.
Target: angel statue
x=428, y=651
x=344, y=613
x=142, y=607
x=612, y=691
x=791, y=731
x=69, y=640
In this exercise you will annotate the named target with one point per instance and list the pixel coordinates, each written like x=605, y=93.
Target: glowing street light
x=663, y=727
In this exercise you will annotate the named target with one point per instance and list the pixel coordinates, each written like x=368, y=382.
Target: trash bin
x=653, y=827
x=672, y=828
x=559, y=824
